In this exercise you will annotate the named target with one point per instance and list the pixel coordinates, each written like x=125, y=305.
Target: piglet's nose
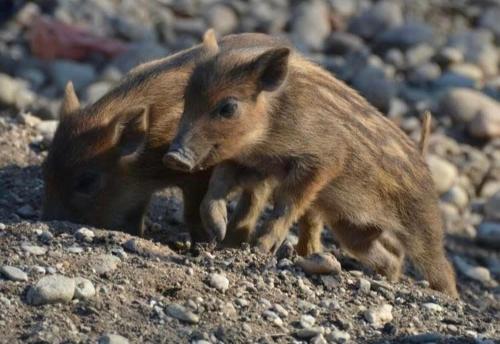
x=178, y=158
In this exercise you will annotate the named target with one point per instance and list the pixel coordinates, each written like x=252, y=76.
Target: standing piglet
x=272, y=112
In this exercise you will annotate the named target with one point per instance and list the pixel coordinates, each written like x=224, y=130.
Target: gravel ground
x=64, y=283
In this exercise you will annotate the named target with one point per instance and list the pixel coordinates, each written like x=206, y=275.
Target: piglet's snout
x=179, y=158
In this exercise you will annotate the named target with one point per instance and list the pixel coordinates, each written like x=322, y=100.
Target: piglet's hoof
x=214, y=217
x=268, y=244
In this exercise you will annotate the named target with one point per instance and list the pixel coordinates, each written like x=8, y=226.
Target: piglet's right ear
x=271, y=68
x=70, y=101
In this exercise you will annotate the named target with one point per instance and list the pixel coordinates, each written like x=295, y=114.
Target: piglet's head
x=227, y=103
x=89, y=172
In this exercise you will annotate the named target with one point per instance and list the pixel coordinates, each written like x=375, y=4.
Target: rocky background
x=60, y=282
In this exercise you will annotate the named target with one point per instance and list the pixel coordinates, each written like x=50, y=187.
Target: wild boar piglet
x=324, y=146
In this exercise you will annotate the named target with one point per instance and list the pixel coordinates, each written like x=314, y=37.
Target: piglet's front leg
x=291, y=199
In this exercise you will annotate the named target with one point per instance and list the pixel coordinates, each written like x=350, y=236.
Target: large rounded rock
x=381, y=16
x=488, y=234
x=406, y=35
x=222, y=19
x=492, y=208
x=443, y=173
x=469, y=106
x=311, y=25
x=51, y=289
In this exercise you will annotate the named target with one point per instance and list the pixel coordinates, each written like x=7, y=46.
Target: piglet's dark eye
x=88, y=183
x=228, y=108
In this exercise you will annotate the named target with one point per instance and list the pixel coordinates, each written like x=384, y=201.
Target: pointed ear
x=70, y=101
x=129, y=130
x=210, y=44
x=271, y=68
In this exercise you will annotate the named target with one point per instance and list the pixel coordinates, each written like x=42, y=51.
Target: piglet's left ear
x=272, y=68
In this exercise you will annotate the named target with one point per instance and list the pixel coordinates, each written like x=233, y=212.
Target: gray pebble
x=14, y=274
x=33, y=249
x=181, y=313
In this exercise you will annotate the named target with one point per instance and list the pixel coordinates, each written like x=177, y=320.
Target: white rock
x=51, y=289
x=84, y=234
x=219, y=282
x=14, y=274
x=433, y=307
x=47, y=129
x=319, y=339
x=364, y=286
x=106, y=263
x=319, y=263
x=181, y=313
x=477, y=273
x=379, y=316
x=2, y=226
x=307, y=321
x=84, y=289
x=34, y=249
x=113, y=339
x=463, y=104
x=456, y=196
x=443, y=173
x=337, y=336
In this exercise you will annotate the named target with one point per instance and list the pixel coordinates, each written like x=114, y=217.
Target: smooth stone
x=113, y=339
x=81, y=74
x=319, y=263
x=47, y=129
x=454, y=80
x=488, y=234
x=181, y=313
x=477, y=273
x=456, y=196
x=106, y=263
x=492, y=207
x=14, y=274
x=379, y=316
x=308, y=333
x=84, y=289
x=444, y=174
x=433, y=307
x=51, y=289
x=33, y=249
x=310, y=25
x=382, y=16
x=84, y=234
x=222, y=19
x=364, y=286
x=337, y=336
x=219, y=282
x=406, y=35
